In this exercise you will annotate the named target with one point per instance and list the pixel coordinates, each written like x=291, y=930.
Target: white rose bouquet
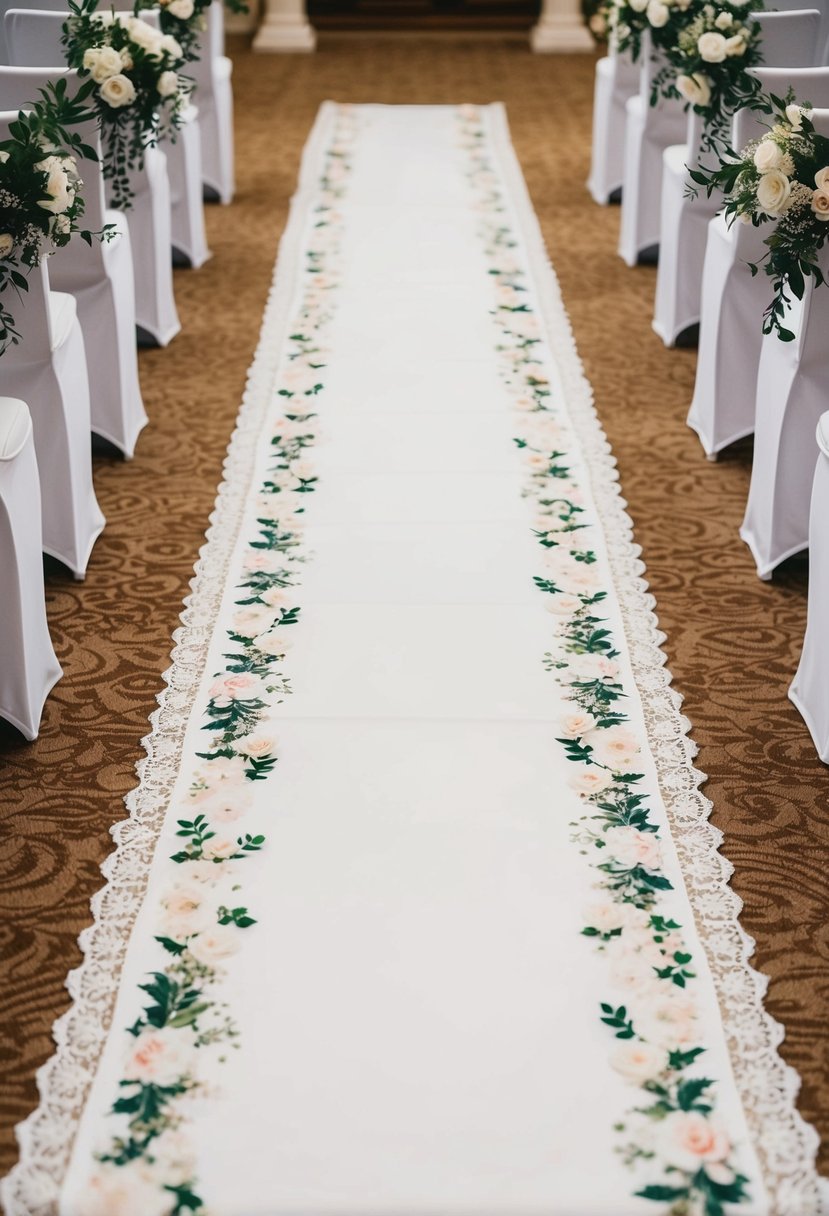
x=784, y=178
x=185, y=20
x=708, y=66
x=708, y=48
x=40, y=192
x=139, y=94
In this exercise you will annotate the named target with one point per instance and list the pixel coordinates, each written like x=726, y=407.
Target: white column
x=561, y=28
x=285, y=27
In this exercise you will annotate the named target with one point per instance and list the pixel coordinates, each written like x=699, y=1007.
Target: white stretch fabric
x=649, y=130
x=28, y=666
x=617, y=79
x=792, y=390
x=418, y=1009
x=212, y=72
x=810, y=687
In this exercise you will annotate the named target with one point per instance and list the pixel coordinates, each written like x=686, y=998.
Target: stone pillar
x=285, y=27
x=561, y=28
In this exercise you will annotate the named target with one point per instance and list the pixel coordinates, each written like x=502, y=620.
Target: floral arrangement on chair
x=595, y=14
x=781, y=177
x=185, y=21
x=40, y=199
x=708, y=48
x=139, y=95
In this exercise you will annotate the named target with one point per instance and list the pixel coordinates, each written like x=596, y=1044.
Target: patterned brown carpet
x=733, y=641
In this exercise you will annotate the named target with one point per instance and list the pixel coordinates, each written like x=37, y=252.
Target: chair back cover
x=790, y=39
x=33, y=37
x=212, y=47
x=808, y=84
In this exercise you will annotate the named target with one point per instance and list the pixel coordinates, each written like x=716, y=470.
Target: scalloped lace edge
x=786, y=1145
x=46, y=1137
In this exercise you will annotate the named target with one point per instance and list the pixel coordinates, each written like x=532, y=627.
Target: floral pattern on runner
x=149, y=1168
x=672, y=1136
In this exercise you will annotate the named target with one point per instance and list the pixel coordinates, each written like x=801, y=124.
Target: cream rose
x=639, y=1062
x=183, y=9
x=711, y=47
x=795, y=115
x=275, y=643
x=638, y=6
x=696, y=88
x=123, y=1190
x=724, y=21
x=277, y=597
x=215, y=945
x=143, y=35
x=58, y=186
x=820, y=204
x=736, y=45
x=604, y=916
x=658, y=13
x=563, y=605
x=767, y=155
x=573, y=726
x=688, y=1140
x=220, y=848
x=102, y=62
x=257, y=746
x=170, y=46
x=248, y=622
x=6, y=244
x=118, y=91
x=185, y=911
x=630, y=847
x=161, y=1057
x=167, y=84
x=590, y=781
x=615, y=746
x=236, y=686
x=773, y=190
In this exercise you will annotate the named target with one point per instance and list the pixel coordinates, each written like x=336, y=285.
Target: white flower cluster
x=107, y=66
x=777, y=189
x=61, y=187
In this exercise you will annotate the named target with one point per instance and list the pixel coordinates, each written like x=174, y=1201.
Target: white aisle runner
x=416, y=938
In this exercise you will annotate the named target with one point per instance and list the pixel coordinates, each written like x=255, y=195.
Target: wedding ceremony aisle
x=416, y=935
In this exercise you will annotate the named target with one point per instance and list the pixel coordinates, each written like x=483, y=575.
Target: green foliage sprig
x=782, y=179
x=40, y=192
x=139, y=96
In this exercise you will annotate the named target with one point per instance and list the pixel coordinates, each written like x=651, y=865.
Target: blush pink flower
x=689, y=1140
x=161, y=1056
x=236, y=686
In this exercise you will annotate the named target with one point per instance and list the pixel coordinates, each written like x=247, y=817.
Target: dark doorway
x=423, y=14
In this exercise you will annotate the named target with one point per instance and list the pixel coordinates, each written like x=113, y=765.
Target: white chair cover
x=792, y=392
x=789, y=40
x=28, y=666
x=214, y=97
x=33, y=40
x=617, y=79
x=649, y=130
x=48, y=369
x=100, y=278
x=184, y=168
x=722, y=409
x=810, y=687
